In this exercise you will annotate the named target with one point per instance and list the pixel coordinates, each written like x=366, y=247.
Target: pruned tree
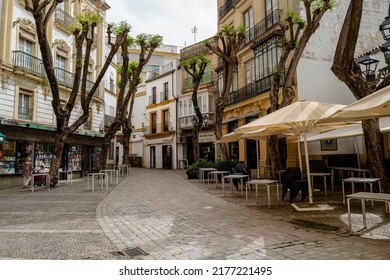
x=87, y=22
x=225, y=44
x=130, y=73
x=195, y=66
x=347, y=70
x=296, y=33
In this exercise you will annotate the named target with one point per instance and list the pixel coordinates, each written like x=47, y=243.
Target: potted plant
x=193, y=169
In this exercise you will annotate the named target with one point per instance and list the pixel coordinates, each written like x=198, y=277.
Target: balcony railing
x=163, y=96
x=227, y=7
x=66, y=78
x=187, y=122
x=251, y=90
x=28, y=63
x=263, y=26
x=207, y=78
x=25, y=113
x=158, y=128
x=63, y=17
x=152, y=99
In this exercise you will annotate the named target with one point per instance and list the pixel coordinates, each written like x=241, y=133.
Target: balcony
x=63, y=18
x=186, y=122
x=25, y=113
x=207, y=78
x=28, y=63
x=66, y=78
x=152, y=99
x=158, y=129
x=227, y=7
x=163, y=96
x=263, y=26
x=251, y=90
x=108, y=120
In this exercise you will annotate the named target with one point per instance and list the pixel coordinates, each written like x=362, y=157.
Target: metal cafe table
x=241, y=177
x=215, y=173
x=112, y=173
x=268, y=183
x=354, y=180
x=102, y=177
x=40, y=174
x=202, y=172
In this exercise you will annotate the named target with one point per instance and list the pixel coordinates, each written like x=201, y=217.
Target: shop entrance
x=251, y=154
x=167, y=156
x=153, y=157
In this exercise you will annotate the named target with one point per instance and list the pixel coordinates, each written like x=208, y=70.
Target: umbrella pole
x=308, y=169
x=257, y=158
x=300, y=157
x=355, y=144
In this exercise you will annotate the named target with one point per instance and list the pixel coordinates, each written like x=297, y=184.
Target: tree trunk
x=374, y=148
x=126, y=141
x=110, y=134
x=195, y=143
x=273, y=152
x=58, y=148
x=218, y=129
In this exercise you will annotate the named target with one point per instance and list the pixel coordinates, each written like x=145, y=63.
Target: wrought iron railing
x=227, y=7
x=25, y=113
x=164, y=96
x=260, y=28
x=66, y=78
x=158, y=128
x=251, y=90
x=28, y=63
x=63, y=17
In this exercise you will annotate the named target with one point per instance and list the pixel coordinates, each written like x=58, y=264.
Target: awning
x=349, y=131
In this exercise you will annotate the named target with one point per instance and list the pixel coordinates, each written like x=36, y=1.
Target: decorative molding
x=61, y=44
x=4, y=76
x=27, y=23
x=98, y=106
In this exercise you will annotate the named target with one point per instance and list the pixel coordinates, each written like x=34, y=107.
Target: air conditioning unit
x=181, y=139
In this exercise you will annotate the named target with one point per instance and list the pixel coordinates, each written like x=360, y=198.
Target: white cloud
x=173, y=19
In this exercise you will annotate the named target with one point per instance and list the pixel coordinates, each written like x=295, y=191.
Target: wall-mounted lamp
x=15, y=23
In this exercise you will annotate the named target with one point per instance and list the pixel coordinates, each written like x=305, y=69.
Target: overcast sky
x=172, y=19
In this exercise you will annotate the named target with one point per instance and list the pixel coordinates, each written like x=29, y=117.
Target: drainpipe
x=176, y=110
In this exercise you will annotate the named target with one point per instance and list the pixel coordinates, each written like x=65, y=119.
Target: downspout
x=176, y=110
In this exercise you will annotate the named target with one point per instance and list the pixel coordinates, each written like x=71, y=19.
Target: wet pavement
x=159, y=214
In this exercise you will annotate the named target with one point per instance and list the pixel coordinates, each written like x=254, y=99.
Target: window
x=165, y=92
x=249, y=69
x=111, y=110
x=267, y=56
x=25, y=108
x=270, y=7
x=61, y=66
x=112, y=84
x=88, y=123
x=25, y=57
x=248, y=23
x=154, y=95
x=153, y=122
x=165, y=115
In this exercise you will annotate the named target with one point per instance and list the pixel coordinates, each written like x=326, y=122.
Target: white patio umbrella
x=301, y=118
x=375, y=105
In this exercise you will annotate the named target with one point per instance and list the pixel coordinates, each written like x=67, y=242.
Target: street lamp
x=368, y=63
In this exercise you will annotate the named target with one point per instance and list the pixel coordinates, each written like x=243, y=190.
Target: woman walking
x=26, y=172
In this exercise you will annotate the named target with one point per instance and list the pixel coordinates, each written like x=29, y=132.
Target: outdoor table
x=351, y=171
x=241, y=177
x=69, y=176
x=112, y=173
x=265, y=182
x=324, y=175
x=354, y=180
x=121, y=169
x=100, y=176
x=40, y=174
x=363, y=196
x=215, y=173
x=202, y=171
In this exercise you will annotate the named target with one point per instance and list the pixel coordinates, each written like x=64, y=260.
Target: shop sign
x=2, y=137
x=206, y=137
